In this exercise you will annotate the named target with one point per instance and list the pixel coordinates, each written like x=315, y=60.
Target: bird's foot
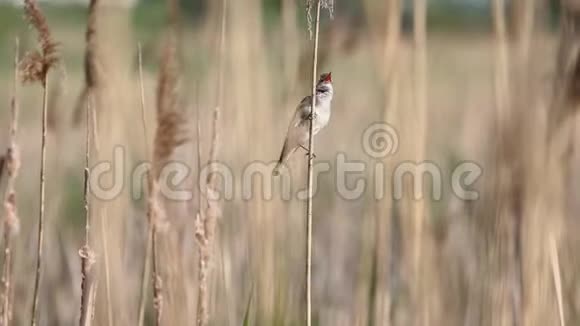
x=308, y=151
x=313, y=116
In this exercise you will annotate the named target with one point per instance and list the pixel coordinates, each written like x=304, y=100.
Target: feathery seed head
x=170, y=119
x=35, y=65
x=310, y=4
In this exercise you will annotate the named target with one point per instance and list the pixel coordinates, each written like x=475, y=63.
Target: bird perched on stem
x=298, y=131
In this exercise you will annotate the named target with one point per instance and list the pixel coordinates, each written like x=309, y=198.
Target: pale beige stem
x=206, y=219
x=88, y=284
x=310, y=180
x=147, y=260
x=555, y=262
x=42, y=191
x=420, y=211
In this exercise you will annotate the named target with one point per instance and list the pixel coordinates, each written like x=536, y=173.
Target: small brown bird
x=299, y=129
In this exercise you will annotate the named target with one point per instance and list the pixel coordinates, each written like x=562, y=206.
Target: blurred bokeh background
x=494, y=83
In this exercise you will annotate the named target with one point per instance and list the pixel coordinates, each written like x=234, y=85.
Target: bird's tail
x=286, y=151
x=276, y=171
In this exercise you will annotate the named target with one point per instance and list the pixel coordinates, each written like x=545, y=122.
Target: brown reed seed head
x=2, y=160
x=35, y=65
x=11, y=221
x=90, y=64
x=12, y=161
x=170, y=119
x=93, y=76
x=574, y=84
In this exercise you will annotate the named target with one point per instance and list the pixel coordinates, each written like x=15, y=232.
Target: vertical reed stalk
x=381, y=295
x=505, y=294
x=92, y=82
x=157, y=285
x=11, y=222
x=168, y=137
x=35, y=67
x=199, y=229
x=205, y=228
x=103, y=230
x=147, y=264
x=419, y=209
x=556, y=274
x=88, y=285
x=93, y=91
x=310, y=179
x=502, y=63
x=40, y=234
x=206, y=218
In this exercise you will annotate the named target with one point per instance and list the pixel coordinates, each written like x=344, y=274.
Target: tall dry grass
x=168, y=136
x=92, y=70
x=11, y=220
x=35, y=68
x=209, y=208
x=506, y=258
x=310, y=180
x=381, y=300
x=146, y=270
x=93, y=80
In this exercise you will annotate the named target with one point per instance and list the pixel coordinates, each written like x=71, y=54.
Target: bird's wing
x=302, y=111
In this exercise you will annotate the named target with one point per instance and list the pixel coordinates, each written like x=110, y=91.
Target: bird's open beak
x=328, y=78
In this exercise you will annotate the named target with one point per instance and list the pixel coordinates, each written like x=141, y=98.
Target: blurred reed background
x=494, y=82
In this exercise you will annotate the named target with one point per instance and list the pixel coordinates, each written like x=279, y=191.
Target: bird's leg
x=313, y=115
x=307, y=151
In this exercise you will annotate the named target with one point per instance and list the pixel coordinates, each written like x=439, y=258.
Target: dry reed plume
x=92, y=71
x=170, y=120
x=209, y=209
x=403, y=262
x=36, y=64
x=205, y=227
x=90, y=100
x=2, y=162
x=34, y=68
x=169, y=135
x=11, y=221
x=313, y=5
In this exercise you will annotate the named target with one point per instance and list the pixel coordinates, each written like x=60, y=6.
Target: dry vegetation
x=220, y=93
